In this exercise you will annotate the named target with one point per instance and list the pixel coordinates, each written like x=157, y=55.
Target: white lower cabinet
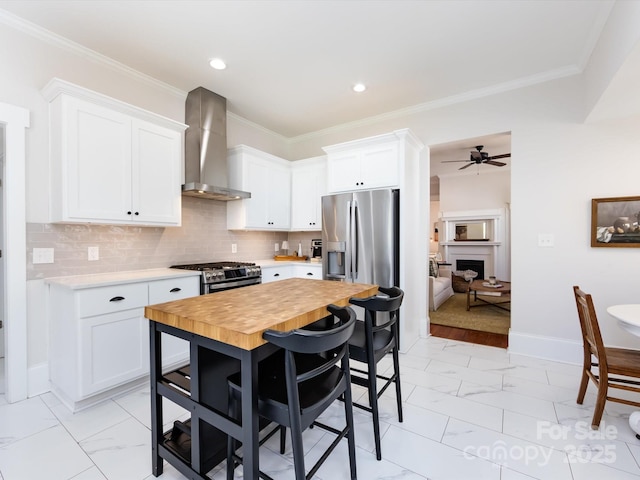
x=99, y=337
x=273, y=273
x=112, y=349
x=313, y=270
x=276, y=272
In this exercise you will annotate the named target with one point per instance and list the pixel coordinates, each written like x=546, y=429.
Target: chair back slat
x=592, y=337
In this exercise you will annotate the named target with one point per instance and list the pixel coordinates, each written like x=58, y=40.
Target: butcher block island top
x=239, y=317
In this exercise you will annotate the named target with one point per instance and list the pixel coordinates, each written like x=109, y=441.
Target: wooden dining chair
x=298, y=383
x=606, y=367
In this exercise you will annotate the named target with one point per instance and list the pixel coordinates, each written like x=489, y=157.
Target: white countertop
x=76, y=282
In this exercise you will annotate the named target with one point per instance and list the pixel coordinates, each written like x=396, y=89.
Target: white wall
x=488, y=189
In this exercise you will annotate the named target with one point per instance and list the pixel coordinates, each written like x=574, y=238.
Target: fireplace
x=475, y=265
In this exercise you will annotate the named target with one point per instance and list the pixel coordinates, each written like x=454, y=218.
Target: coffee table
x=479, y=286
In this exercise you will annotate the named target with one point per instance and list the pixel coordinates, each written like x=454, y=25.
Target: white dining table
x=628, y=317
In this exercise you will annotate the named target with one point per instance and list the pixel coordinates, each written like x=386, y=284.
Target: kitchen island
x=225, y=333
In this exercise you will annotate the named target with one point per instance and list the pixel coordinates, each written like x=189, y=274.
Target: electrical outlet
x=93, y=254
x=234, y=248
x=545, y=240
x=277, y=247
x=42, y=255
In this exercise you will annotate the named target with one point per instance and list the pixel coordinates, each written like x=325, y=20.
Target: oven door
x=228, y=285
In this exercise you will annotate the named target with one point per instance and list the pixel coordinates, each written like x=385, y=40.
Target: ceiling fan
x=478, y=157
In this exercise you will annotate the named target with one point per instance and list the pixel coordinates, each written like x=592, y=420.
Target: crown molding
x=447, y=101
x=56, y=40
x=256, y=126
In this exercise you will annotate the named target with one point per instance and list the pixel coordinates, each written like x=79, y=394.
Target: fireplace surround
x=491, y=252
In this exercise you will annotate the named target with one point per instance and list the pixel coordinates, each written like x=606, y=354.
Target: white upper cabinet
x=308, y=184
x=363, y=164
x=112, y=163
x=268, y=179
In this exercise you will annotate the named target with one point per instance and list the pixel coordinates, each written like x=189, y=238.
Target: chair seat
x=272, y=391
x=622, y=361
x=382, y=342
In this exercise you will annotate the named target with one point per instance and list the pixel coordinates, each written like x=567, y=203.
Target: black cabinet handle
x=128, y=213
x=116, y=299
x=310, y=274
x=276, y=275
x=137, y=213
x=175, y=289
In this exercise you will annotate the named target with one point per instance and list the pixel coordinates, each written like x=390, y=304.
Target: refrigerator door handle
x=354, y=241
x=347, y=261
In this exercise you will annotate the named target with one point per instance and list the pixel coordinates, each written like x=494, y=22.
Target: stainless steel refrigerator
x=360, y=237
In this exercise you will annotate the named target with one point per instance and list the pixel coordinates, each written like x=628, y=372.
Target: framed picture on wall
x=615, y=222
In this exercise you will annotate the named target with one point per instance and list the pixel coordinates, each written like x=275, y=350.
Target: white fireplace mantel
x=492, y=250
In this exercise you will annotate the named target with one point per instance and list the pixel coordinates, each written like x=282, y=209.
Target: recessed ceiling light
x=359, y=87
x=218, y=64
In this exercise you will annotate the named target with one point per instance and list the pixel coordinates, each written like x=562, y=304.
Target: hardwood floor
x=471, y=336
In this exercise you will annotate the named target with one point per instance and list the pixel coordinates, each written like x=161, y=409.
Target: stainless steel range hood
x=206, y=148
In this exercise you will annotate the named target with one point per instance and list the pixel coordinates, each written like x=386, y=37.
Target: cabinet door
x=98, y=175
x=379, y=166
x=156, y=174
x=110, y=350
x=279, y=198
x=344, y=171
x=269, y=182
x=257, y=182
x=307, y=188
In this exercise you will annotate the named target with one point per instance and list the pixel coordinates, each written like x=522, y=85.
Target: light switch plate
x=42, y=255
x=545, y=239
x=234, y=248
x=276, y=247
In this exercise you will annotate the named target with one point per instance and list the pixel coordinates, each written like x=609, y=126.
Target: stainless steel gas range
x=219, y=276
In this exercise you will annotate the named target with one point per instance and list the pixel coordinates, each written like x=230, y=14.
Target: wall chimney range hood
x=205, y=156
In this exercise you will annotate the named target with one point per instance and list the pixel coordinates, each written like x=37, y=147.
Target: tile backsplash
x=202, y=237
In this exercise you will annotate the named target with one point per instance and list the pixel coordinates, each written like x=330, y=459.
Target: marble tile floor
x=470, y=412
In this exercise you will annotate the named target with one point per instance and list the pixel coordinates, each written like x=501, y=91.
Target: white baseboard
x=38, y=380
x=548, y=348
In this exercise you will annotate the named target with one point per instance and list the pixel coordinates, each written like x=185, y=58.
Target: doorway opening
x=461, y=181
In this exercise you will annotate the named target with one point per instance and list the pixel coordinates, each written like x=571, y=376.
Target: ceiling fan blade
x=466, y=166
x=504, y=155
x=497, y=164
